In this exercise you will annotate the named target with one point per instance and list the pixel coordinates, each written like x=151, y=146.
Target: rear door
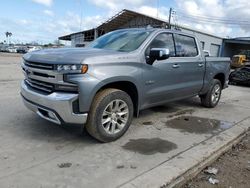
x=191, y=65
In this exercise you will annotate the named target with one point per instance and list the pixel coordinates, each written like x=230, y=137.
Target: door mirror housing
x=158, y=54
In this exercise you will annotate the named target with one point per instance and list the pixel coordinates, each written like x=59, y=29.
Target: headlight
x=72, y=68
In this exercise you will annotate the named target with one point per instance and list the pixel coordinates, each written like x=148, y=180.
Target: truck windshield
x=123, y=40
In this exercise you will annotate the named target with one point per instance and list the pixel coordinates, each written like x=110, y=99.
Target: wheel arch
x=127, y=86
x=221, y=78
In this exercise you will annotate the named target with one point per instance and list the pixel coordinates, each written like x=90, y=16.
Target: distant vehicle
x=12, y=49
x=34, y=48
x=240, y=76
x=104, y=85
x=22, y=49
x=80, y=45
x=4, y=48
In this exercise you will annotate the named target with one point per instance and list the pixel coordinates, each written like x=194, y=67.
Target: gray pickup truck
x=104, y=85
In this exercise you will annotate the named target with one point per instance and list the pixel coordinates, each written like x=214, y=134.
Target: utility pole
x=169, y=18
x=81, y=7
x=157, y=8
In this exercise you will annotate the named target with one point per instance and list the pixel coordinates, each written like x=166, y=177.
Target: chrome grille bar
x=39, y=65
x=46, y=87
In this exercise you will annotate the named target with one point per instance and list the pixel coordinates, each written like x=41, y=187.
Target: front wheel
x=212, y=97
x=110, y=115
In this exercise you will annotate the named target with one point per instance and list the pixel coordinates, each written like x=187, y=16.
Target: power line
x=81, y=9
x=213, y=18
x=158, y=4
x=183, y=12
x=214, y=22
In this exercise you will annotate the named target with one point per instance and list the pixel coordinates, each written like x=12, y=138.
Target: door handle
x=176, y=66
x=201, y=64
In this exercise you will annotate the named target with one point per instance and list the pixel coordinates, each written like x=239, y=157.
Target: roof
x=242, y=38
x=68, y=37
x=120, y=21
x=239, y=40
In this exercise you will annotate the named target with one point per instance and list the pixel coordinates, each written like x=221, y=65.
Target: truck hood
x=70, y=55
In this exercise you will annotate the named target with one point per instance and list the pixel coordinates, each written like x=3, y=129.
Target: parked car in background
x=34, y=48
x=4, y=48
x=104, y=85
x=80, y=45
x=12, y=49
x=22, y=49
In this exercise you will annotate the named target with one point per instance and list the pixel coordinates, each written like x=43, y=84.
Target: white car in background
x=34, y=48
x=12, y=49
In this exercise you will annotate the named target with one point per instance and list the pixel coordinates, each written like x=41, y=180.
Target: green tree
x=8, y=35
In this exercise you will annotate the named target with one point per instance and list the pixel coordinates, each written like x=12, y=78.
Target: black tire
x=206, y=100
x=101, y=101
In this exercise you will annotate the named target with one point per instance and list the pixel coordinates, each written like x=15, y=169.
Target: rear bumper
x=55, y=107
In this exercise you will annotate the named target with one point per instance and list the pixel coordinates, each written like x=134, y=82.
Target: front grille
x=48, y=88
x=39, y=85
x=39, y=65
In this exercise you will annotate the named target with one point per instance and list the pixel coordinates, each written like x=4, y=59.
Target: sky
x=44, y=21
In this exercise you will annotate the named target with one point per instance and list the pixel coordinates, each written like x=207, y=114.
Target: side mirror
x=158, y=54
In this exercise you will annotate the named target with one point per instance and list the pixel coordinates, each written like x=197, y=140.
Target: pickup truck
x=103, y=86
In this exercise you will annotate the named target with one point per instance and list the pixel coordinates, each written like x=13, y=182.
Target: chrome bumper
x=55, y=107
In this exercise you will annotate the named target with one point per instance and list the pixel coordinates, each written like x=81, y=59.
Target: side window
x=202, y=45
x=163, y=40
x=185, y=46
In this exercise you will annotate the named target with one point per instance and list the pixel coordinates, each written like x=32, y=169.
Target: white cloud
x=44, y=2
x=23, y=22
x=218, y=10
x=116, y=5
x=48, y=12
x=46, y=30
x=34, y=28
x=162, y=12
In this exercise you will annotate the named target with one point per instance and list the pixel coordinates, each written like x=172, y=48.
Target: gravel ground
x=233, y=169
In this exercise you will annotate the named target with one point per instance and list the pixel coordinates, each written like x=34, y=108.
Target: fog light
x=51, y=115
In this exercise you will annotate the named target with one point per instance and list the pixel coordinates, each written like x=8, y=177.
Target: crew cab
x=119, y=74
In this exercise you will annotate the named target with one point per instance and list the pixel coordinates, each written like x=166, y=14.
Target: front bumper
x=55, y=107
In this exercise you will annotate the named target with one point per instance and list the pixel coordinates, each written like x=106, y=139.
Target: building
x=130, y=19
x=234, y=46
x=124, y=19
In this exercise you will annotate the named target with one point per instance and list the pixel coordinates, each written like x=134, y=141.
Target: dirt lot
x=36, y=153
x=233, y=168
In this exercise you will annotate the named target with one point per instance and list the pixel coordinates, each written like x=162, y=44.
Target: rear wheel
x=212, y=97
x=110, y=115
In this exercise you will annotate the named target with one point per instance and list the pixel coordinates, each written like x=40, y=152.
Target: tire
x=212, y=97
x=110, y=105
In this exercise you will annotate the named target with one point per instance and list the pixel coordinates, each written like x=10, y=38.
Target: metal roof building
x=124, y=19
x=233, y=46
x=131, y=19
